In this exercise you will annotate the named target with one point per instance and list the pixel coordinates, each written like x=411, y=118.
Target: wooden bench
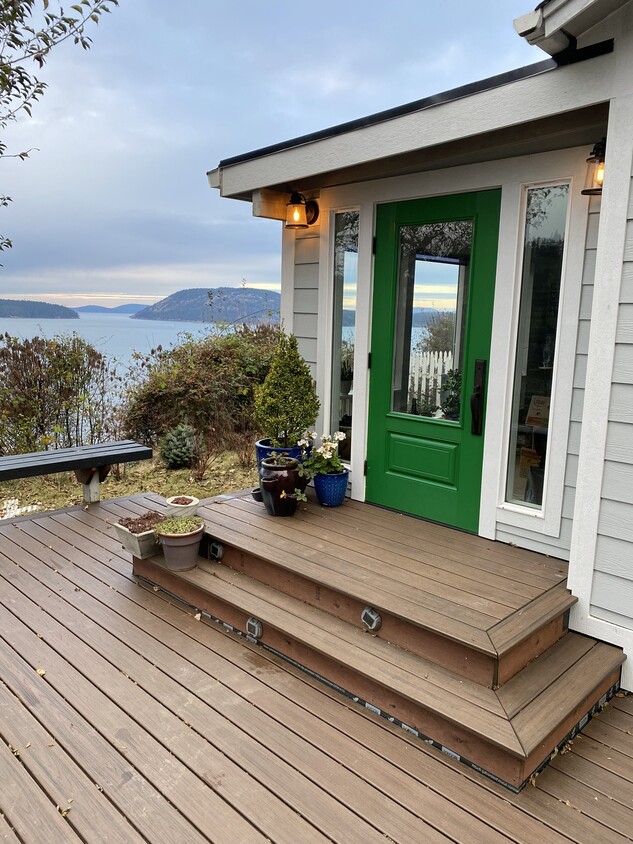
x=91, y=463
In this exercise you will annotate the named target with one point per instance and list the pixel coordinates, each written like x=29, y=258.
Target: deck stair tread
x=372, y=582
x=536, y=677
x=512, y=630
x=542, y=715
x=426, y=611
x=474, y=587
x=344, y=643
x=517, y=718
x=375, y=520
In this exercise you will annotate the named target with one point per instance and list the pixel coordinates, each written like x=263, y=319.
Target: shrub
x=286, y=404
x=207, y=383
x=54, y=393
x=178, y=447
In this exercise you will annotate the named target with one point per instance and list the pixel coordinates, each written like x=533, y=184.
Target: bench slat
x=67, y=459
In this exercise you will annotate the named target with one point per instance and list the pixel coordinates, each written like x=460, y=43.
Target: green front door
x=432, y=317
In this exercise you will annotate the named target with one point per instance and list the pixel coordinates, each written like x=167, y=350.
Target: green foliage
x=286, y=404
x=53, y=393
x=179, y=525
x=29, y=29
x=451, y=394
x=178, y=447
x=440, y=333
x=207, y=383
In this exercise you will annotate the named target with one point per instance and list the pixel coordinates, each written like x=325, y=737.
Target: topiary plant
x=178, y=447
x=286, y=404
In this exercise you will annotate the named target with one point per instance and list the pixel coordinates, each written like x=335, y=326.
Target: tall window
x=545, y=223
x=344, y=322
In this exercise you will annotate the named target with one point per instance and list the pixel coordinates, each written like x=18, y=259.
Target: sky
x=113, y=205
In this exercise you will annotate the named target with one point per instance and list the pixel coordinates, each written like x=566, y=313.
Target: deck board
x=270, y=753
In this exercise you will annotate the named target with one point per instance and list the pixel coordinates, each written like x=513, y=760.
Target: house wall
x=612, y=589
x=307, y=303
x=601, y=560
x=305, y=294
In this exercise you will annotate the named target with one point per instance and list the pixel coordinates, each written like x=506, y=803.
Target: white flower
x=312, y=435
x=339, y=436
x=303, y=443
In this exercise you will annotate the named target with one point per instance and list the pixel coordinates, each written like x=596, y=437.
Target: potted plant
x=180, y=537
x=286, y=404
x=137, y=534
x=282, y=487
x=182, y=505
x=326, y=467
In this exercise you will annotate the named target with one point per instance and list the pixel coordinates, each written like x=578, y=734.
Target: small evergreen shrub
x=178, y=447
x=286, y=404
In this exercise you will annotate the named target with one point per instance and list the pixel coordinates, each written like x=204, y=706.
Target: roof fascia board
x=555, y=24
x=566, y=89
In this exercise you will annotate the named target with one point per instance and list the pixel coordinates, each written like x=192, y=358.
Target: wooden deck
x=125, y=718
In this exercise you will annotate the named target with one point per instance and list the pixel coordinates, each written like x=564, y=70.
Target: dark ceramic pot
x=278, y=485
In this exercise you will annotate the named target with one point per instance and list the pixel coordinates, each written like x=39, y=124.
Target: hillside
x=221, y=304
x=100, y=309
x=26, y=309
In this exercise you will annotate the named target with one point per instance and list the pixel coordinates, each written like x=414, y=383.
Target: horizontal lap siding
x=306, y=295
x=612, y=591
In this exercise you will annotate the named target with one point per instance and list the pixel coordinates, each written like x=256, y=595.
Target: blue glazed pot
x=264, y=449
x=331, y=489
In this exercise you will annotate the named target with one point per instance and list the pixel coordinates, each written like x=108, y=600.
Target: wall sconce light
x=595, y=170
x=301, y=213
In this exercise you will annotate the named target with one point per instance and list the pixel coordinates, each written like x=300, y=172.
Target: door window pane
x=430, y=317
x=344, y=322
x=546, y=215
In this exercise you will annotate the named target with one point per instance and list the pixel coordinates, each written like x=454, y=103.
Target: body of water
x=115, y=335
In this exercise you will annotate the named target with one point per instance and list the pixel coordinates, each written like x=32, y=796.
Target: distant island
x=100, y=309
x=25, y=309
x=213, y=305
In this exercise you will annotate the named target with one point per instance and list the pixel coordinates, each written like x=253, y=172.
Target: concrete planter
x=182, y=509
x=141, y=545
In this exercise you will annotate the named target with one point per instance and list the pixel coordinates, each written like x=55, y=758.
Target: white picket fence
x=425, y=377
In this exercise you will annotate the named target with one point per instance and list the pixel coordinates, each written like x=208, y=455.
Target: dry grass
x=53, y=492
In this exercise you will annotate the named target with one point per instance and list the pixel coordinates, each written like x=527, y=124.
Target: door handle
x=477, y=398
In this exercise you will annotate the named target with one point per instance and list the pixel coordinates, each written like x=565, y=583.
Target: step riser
x=514, y=661
x=458, y=741
x=454, y=656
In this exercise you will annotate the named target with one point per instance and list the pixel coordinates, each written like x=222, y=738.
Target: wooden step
x=507, y=733
x=425, y=606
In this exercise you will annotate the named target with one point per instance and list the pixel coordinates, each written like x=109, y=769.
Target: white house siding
x=558, y=546
x=306, y=294
x=612, y=589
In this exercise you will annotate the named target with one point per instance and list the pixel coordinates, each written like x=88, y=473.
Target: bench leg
x=91, y=479
x=91, y=490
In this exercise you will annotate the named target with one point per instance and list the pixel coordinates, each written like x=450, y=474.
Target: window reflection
x=545, y=223
x=344, y=325
x=430, y=317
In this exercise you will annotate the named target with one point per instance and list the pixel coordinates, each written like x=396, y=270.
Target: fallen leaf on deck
x=41, y=672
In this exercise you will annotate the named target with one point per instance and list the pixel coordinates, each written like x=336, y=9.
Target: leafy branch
x=29, y=30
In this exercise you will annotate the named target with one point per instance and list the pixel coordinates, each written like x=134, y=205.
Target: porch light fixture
x=595, y=170
x=301, y=213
